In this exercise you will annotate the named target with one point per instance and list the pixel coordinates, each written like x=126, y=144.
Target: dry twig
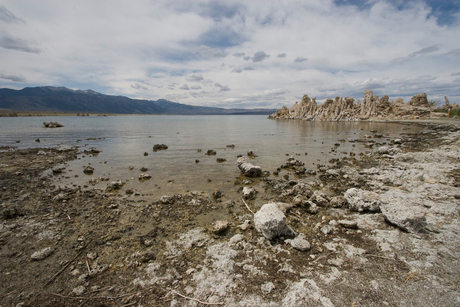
x=68, y=263
x=194, y=299
x=247, y=206
x=370, y=255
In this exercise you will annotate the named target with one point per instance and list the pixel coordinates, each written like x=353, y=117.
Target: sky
x=234, y=54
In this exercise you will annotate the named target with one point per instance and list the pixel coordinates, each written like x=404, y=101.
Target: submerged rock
x=144, y=176
x=249, y=193
x=52, y=125
x=158, y=147
x=270, y=221
x=247, y=168
x=88, y=170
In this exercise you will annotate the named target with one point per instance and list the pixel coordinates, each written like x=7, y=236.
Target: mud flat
x=380, y=229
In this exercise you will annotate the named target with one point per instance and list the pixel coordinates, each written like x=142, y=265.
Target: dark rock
x=158, y=147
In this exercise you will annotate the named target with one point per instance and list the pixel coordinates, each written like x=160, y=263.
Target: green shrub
x=455, y=112
x=440, y=111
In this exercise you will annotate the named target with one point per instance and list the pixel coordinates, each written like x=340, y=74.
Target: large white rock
x=270, y=221
x=361, y=200
x=408, y=216
x=247, y=168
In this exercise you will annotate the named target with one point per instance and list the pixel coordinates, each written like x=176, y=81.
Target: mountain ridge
x=62, y=99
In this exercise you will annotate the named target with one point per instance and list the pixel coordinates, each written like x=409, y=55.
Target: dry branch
x=247, y=206
x=196, y=300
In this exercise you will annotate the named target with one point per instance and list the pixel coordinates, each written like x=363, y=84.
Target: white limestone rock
x=270, y=221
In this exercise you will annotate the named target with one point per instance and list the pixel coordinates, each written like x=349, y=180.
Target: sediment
x=378, y=230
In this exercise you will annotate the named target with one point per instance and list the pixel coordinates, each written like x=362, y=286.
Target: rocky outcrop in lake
x=346, y=109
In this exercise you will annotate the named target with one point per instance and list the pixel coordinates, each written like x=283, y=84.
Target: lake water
x=124, y=139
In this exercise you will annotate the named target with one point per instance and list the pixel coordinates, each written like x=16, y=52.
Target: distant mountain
x=61, y=99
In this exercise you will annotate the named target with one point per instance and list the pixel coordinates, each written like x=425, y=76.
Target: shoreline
x=132, y=251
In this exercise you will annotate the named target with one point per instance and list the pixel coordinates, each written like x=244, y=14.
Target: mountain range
x=62, y=99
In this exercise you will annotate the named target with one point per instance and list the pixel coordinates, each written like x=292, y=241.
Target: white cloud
x=194, y=77
x=207, y=52
x=259, y=56
x=239, y=54
x=14, y=78
x=300, y=59
x=195, y=87
x=223, y=88
x=138, y=86
x=128, y=48
x=184, y=87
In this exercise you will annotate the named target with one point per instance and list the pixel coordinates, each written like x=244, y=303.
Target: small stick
x=410, y=276
x=321, y=257
x=5, y=295
x=247, y=206
x=68, y=263
x=370, y=255
x=194, y=299
x=91, y=297
x=87, y=265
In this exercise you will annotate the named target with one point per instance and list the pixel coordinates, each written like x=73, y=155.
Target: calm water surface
x=124, y=139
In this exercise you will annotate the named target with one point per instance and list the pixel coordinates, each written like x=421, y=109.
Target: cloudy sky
x=233, y=53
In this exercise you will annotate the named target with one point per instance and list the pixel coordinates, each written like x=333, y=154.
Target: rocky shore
x=371, y=108
x=380, y=229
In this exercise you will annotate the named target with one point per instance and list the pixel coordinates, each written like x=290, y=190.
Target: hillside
x=61, y=99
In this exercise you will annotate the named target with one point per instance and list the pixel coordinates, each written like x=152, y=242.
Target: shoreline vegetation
x=381, y=228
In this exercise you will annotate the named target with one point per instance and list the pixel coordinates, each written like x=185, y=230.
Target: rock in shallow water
x=249, y=193
x=247, y=168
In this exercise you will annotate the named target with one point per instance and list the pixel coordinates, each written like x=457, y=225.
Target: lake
x=123, y=140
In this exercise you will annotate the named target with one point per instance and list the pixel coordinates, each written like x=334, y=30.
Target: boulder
x=338, y=201
x=320, y=198
x=405, y=215
x=270, y=221
x=247, y=169
x=362, y=201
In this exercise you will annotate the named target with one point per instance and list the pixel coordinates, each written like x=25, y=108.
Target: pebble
x=219, y=226
x=78, y=290
x=40, y=255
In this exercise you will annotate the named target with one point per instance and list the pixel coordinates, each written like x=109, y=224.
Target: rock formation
x=346, y=109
